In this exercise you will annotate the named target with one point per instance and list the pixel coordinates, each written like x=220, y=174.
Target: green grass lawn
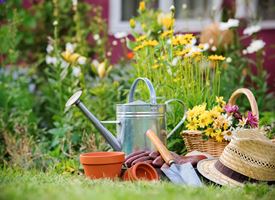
x=18, y=184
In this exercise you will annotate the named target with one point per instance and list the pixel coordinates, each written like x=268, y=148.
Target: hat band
x=233, y=174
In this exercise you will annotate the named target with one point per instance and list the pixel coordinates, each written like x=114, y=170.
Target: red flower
x=130, y=55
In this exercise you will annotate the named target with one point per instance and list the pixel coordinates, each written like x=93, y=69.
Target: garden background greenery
x=54, y=48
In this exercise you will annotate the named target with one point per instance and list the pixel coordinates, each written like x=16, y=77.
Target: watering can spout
x=110, y=138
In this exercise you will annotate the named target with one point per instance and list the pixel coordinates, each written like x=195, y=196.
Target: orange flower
x=130, y=55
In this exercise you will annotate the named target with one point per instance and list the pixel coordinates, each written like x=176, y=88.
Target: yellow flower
x=217, y=109
x=222, y=122
x=219, y=122
x=141, y=38
x=201, y=46
x=205, y=119
x=196, y=53
x=188, y=36
x=101, y=70
x=166, y=20
x=183, y=52
x=138, y=47
x=192, y=125
x=70, y=57
x=200, y=108
x=143, y=26
x=150, y=43
x=191, y=114
x=176, y=79
x=219, y=137
x=214, y=114
x=209, y=132
x=216, y=58
x=132, y=23
x=166, y=33
x=182, y=39
x=155, y=66
x=220, y=101
x=142, y=6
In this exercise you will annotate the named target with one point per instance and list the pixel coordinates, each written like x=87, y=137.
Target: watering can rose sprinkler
x=133, y=120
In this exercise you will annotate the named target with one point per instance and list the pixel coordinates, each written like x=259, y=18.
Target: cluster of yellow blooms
x=146, y=43
x=182, y=39
x=180, y=45
x=213, y=123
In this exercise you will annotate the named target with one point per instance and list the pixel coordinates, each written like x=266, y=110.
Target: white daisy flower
x=95, y=63
x=214, y=48
x=228, y=60
x=205, y=46
x=96, y=37
x=251, y=30
x=51, y=60
x=228, y=118
x=255, y=46
x=70, y=47
x=49, y=48
x=227, y=135
x=81, y=60
x=229, y=24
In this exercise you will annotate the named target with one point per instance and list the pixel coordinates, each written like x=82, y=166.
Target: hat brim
x=208, y=170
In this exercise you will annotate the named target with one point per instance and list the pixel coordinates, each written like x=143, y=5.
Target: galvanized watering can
x=133, y=120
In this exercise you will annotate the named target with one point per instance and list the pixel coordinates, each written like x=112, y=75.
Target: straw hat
x=249, y=157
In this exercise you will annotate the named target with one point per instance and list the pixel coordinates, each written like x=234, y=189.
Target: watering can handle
x=150, y=87
x=182, y=120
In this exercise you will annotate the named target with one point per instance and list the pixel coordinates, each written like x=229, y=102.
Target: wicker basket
x=194, y=141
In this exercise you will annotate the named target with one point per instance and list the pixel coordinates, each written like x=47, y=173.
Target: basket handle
x=250, y=97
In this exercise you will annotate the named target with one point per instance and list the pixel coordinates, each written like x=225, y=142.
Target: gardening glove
x=155, y=159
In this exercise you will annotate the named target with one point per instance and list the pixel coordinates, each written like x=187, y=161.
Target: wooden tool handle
x=164, y=152
x=250, y=97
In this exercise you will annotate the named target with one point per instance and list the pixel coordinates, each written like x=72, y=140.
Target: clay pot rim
x=102, y=158
x=153, y=175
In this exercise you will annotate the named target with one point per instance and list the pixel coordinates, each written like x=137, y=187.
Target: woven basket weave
x=193, y=139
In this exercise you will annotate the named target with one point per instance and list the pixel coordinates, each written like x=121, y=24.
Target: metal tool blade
x=187, y=173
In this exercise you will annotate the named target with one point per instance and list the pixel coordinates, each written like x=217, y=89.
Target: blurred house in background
x=194, y=15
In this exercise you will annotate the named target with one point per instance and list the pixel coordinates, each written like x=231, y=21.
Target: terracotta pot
x=141, y=171
x=102, y=164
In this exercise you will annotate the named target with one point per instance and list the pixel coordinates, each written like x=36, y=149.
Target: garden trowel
x=177, y=173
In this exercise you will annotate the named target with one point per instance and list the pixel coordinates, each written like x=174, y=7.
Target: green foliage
x=24, y=31
x=18, y=122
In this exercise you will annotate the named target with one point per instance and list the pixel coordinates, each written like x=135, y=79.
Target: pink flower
x=231, y=109
x=252, y=120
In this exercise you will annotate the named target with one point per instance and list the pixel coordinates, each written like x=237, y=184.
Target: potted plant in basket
x=210, y=130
